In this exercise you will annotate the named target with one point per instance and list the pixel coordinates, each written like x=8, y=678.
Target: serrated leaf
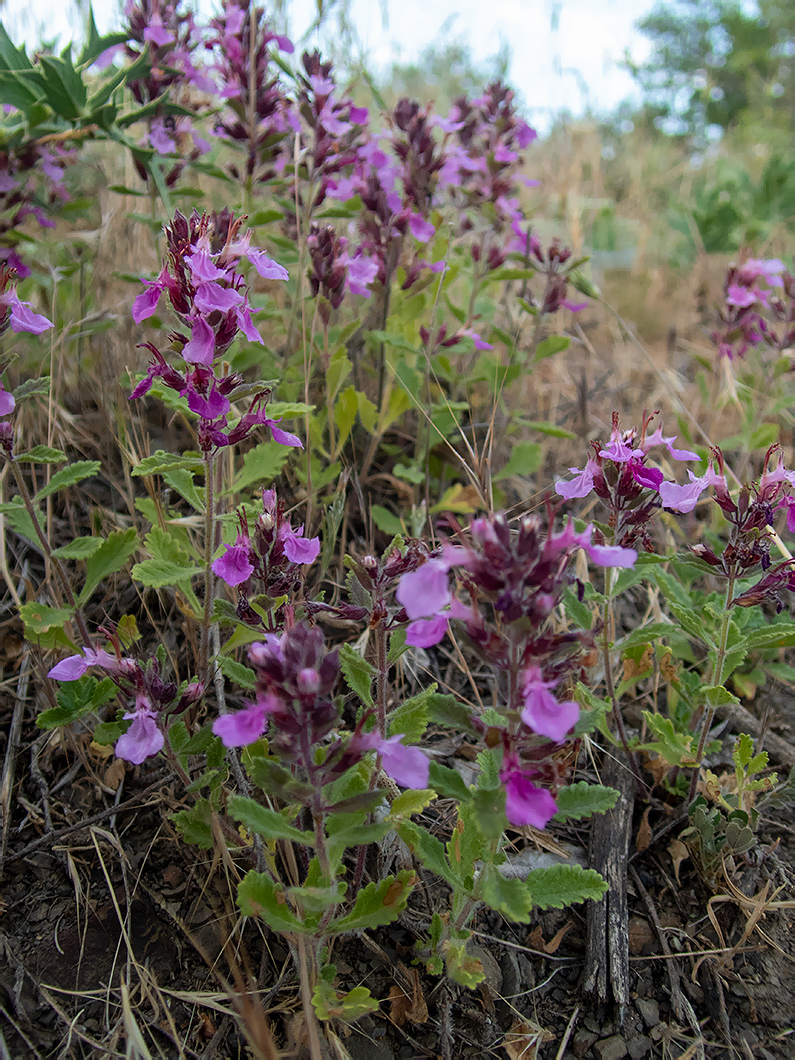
x=68, y=476
x=258, y=895
x=42, y=454
x=562, y=885
x=510, y=896
x=580, y=800
x=237, y=672
x=263, y=463
x=412, y=801
x=448, y=783
x=31, y=387
x=645, y=635
x=110, y=557
x=550, y=346
x=385, y=521
x=157, y=573
x=378, y=903
x=38, y=618
x=411, y=717
x=717, y=696
x=329, y=1004
x=461, y=966
x=358, y=673
x=266, y=822
x=76, y=699
x=450, y=711
x=776, y=635
x=80, y=548
x=428, y=849
x=160, y=461
x=525, y=459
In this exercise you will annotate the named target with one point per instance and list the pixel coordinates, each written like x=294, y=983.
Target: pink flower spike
x=425, y=591
x=143, y=739
x=421, y=229
x=741, y=297
x=202, y=268
x=283, y=437
x=211, y=296
x=361, y=272
x=201, y=348
x=158, y=34
x=73, y=667
x=425, y=632
x=542, y=712
x=234, y=566
x=581, y=485
x=683, y=498
x=22, y=319
x=243, y=726
x=146, y=304
x=407, y=766
x=525, y=804
x=265, y=266
x=300, y=549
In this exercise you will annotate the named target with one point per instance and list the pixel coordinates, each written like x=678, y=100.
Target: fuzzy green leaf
x=42, y=454
x=258, y=895
x=68, y=476
x=110, y=557
x=562, y=885
x=160, y=461
x=76, y=699
x=510, y=896
x=80, y=548
x=377, y=903
x=38, y=618
x=582, y=799
x=358, y=673
x=266, y=822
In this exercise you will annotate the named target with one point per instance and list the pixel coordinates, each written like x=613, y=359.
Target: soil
x=118, y=939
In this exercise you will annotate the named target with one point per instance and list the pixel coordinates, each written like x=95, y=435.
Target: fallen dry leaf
x=640, y=935
x=552, y=945
x=645, y=833
x=403, y=1008
x=523, y=1039
x=114, y=774
x=679, y=853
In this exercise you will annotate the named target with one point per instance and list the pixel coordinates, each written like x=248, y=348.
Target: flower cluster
x=295, y=681
x=210, y=298
x=754, y=312
x=332, y=271
x=268, y=560
x=242, y=62
x=170, y=35
x=31, y=185
x=514, y=580
x=19, y=316
x=620, y=474
x=141, y=681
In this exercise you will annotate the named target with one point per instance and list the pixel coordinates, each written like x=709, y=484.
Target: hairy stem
x=209, y=577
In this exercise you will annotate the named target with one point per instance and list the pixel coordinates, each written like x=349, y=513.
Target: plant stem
x=716, y=679
x=209, y=578
x=24, y=493
x=607, y=617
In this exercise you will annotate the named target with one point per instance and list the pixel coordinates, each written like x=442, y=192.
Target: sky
x=564, y=53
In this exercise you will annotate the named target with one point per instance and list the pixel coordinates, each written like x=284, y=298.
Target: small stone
x=639, y=1047
x=611, y=1048
x=649, y=1011
x=583, y=1040
x=362, y=1047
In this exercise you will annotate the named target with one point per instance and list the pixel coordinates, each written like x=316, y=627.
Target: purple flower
x=143, y=739
x=202, y=268
x=300, y=549
x=159, y=138
x=22, y=318
x=425, y=632
x=234, y=566
x=657, y=438
x=282, y=437
x=741, y=297
x=243, y=727
x=542, y=712
x=7, y=402
x=581, y=485
x=603, y=555
x=480, y=344
x=407, y=766
x=361, y=272
x=211, y=406
x=421, y=229
x=73, y=667
x=157, y=33
x=684, y=498
x=146, y=303
x=525, y=804
x=525, y=135
x=425, y=591
x=211, y=296
x=201, y=348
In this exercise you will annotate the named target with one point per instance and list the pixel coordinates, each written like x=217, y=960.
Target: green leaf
x=241, y=675
x=263, y=463
x=76, y=699
x=160, y=461
x=580, y=800
x=80, y=548
x=448, y=783
x=562, y=885
x=577, y=610
x=358, y=673
x=184, y=483
x=675, y=747
x=258, y=895
x=450, y=711
x=691, y=622
x=428, y=849
x=776, y=635
x=378, y=903
x=157, y=573
x=110, y=557
x=525, y=459
x=356, y=835
x=716, y=696
x=412, y=801
x=31, y=387
x=266, y=822
x=329, y=1005
x=510, y=896
x=489, y=809
x=38, y=618
x=42, y=454
x=645, y=635
x=550, y=429
x=411, y=717
x=550, y=346
x=68, y=476
x=386, y=522
x=461, y=966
